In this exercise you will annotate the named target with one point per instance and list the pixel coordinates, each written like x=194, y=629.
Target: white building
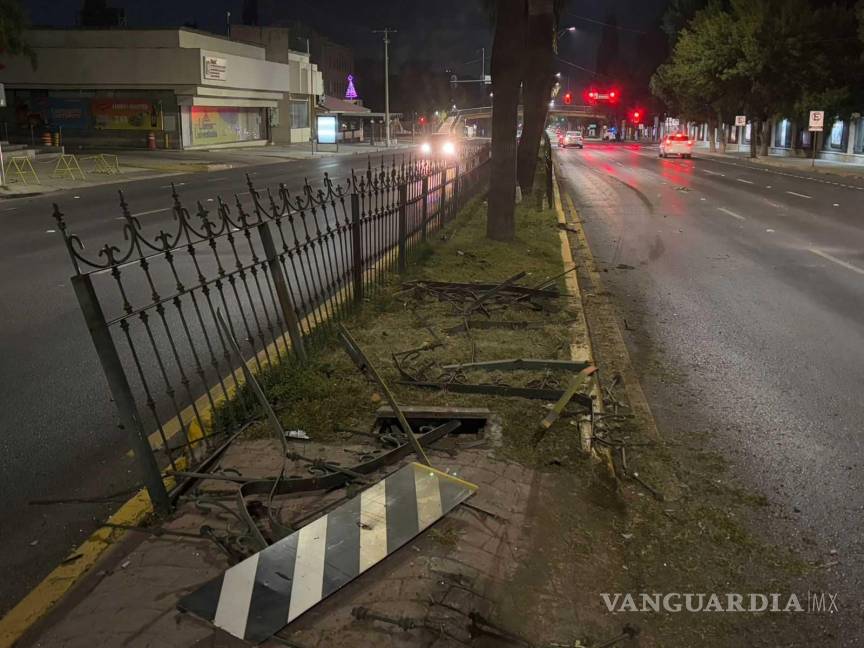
x=190, y=89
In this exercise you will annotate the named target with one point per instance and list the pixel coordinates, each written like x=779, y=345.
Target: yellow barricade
x=67, y=166
x=22, y=168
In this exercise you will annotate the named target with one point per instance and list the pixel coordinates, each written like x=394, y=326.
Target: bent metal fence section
x=281, y=266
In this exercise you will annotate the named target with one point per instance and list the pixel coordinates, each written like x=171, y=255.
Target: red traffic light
x=637, y=116
x=568, y=98
x=422, y=120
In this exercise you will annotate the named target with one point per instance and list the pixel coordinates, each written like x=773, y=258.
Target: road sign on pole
x=740, y=120
x=817, y=119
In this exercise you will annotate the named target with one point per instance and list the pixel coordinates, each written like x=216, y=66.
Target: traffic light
x=613, y=96
x=636, y=116
x=422, y=120
x=568, y=98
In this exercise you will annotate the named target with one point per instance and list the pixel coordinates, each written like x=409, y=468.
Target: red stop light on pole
x=568, y=98
x=636, y=116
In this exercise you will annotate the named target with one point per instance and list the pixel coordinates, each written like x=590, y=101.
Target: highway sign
x=817, y=119
x=740, y=120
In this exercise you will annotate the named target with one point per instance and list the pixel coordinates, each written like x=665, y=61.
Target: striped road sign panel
x=257, y=597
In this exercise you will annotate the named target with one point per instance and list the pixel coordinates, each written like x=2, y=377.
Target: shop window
x=299, y=114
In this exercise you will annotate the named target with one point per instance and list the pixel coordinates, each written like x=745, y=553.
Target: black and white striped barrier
x=257, y=597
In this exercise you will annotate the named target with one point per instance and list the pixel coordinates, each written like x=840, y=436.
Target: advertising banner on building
x=215, y=125
x=69, y=113
x=125, y=114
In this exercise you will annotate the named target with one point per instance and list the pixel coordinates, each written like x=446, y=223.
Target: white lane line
x=176, y=184
x=744, y=181
x=717, y=173
x=839, y=262
x=153, y=211
x=731, y=213
x=794, y=193
x=9, y=209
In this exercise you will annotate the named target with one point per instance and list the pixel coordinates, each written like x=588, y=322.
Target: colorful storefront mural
x=224, y=125
x=126, y=114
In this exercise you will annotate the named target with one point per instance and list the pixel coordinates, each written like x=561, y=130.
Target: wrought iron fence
x=282, y=267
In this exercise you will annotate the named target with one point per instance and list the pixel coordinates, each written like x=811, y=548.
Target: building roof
x=334, y=105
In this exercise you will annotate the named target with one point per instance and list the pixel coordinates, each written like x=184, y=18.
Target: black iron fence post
x=456, y=190
x=403, y=227
x=356, y=249
x=286, y=301
x=425, y=211
x=130, y=420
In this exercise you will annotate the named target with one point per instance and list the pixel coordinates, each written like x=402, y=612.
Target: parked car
x=676, y=144
x=572, y=138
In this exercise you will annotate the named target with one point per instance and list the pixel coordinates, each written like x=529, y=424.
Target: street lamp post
x=386, y=31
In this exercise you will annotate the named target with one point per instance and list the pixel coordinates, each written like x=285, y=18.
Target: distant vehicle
x=676, y=144
x=440, y=145
x=573, y=138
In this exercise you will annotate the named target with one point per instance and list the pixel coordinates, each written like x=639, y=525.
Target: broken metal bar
x=577, y=382
x=503, y=324
x=444, y=285
x=365, y=367
x=286, y=486
x=485, y=296
x=521, y=364
x=500, y=390
x=253, y=383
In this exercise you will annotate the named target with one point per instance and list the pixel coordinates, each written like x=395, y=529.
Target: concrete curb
x=583, y=350
x=635, y=394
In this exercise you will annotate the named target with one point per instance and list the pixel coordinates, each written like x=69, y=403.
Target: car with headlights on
x=439, y=145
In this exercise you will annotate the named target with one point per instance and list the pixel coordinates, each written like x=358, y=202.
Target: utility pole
x=386, y=31
x=228, y=23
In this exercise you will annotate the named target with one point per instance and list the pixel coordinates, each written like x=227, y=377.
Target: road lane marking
x=717, y=173
x=800, y=195
x=152, y=211
x=176, y=184
x=744, y=181
x=839, y=262
x=836, y=204
x=731, y=213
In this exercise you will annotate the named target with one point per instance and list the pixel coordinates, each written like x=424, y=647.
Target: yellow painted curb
x=581, y=350
x=135, y=511
x=52, y=588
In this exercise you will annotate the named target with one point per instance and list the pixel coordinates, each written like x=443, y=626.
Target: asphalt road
x=749, y=283
x=58, y=428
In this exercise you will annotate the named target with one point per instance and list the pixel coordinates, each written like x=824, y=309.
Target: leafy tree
x=694, y=82
x=13, y=22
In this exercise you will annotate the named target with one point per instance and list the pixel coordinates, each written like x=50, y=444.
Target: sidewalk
x=477, y=560
x=138, y=164
x=800, y=165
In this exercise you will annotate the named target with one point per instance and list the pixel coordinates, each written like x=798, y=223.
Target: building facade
x=115, y=87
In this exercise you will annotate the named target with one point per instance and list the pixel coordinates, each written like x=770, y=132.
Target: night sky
x=446, y=33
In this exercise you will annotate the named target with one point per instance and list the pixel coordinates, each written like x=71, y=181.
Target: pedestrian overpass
x=458, y=118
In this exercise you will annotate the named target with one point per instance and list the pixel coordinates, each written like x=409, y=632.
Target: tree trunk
x=712, y=135
x=507, y=56
x=766, y=134
x=754, y=129
x=537, y=87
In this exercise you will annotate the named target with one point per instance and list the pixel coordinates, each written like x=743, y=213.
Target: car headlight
x=448, y=148
x=425, y=147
